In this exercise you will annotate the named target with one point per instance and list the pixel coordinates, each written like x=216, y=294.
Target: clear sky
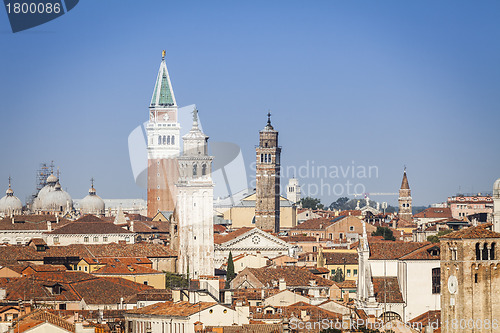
x=364, y=83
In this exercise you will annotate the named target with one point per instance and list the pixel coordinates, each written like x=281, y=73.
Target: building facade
x=267, y=206
x=496, y=205
x=470, y=280
x=462, y=206
x=195, y=205
x=163, y=135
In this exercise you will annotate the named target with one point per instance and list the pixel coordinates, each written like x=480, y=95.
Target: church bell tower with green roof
x=163, y=134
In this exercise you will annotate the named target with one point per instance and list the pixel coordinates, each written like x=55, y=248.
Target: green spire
x=163, y=95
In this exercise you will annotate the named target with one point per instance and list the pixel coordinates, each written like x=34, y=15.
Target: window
x=436, y=280
x=56, y=239
x=478, y=252
x=341, y=235
x=203, y=169
x=355, y=272
x=105, y=239
x=96, y=239
x=159, y=139
x=351, y=228
x=484, y=255
x=261, y=158
x=168, y=140
x=85, y=239
x=348, y=272
x=315, y=248
x=173, y=140
x=165, y=139
x=145, y=282
x=475, y=278
x=492, y=251
x=85, y=268
x=195, y=172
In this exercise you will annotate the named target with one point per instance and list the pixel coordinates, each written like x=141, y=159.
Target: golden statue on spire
x=163, y=54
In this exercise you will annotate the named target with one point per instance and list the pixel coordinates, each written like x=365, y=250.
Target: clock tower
x=163, y=135
x=470, y=280
x=267, y=205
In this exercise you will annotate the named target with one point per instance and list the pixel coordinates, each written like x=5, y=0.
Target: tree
x=385, y=232
x=311, y=203
x=339, y=275
x=173, y=280
x=339, y=204
x=435, y=238
x=230, y=270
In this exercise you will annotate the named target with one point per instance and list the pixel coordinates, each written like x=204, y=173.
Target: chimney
x=282, y=284
x=13, y=220
x=132, y=226
x=49, y=226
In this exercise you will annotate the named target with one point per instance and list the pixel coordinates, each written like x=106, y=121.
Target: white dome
x=496, y=188
x=57, y=200
x=92, y=203
x=10, y=204
x=52, y=179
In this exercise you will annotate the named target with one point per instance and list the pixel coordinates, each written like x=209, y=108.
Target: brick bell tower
x=267, y=204
x=404, y=200
x=163, y=133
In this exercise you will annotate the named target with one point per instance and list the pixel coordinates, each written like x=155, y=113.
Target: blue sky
x=364, y=83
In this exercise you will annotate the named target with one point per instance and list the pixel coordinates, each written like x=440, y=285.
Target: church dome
x=52, y=179
x=496, y=188
x=92, y=203
x=10, y=204
x=55, y=199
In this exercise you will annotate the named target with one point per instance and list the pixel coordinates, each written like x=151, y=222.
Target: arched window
x=195, y=171
x=478, y=252
x=203, y=169
x=159, y=139
x=164, y=140
x=269, y=158
x=261, y=158
x=485, y=252
x=173, y=140
x=265, y=158
x=492, y=251
x=436, y=280
x=168, y=140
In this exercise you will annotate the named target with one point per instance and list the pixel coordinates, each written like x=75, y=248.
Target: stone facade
x=267, y=206
x=195, y=205
x=496, y=205
x=470, y=280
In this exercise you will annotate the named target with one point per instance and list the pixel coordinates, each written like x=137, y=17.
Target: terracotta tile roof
x=390, y=250
x=159, y=295
x=218, y=228
x=347, y=284
x=44, y=268
x=89, y=227
x=296, y=310
x=433, y=212
x=123, y=269
x=37, y=317
x=292, y=239
x=481, y=231
x=247, y=328
x=89, y=218
x=14, y=254
x=171, y=309
x=313, y=224
x=425, y=318
x=337, y=258
x=137, y=217
x=124, y=261
x=428, y=252
x=219, y=239
x=253, y=293
x=30, y=222
x=294, y=276
x=387, y=289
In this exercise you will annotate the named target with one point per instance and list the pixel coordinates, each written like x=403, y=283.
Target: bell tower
x=163, y=135
x=267, y=205
x=195, y=205
x=405, y=212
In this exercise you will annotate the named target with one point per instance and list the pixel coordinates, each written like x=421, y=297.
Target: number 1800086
x=33, y=8
x=477, y=324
